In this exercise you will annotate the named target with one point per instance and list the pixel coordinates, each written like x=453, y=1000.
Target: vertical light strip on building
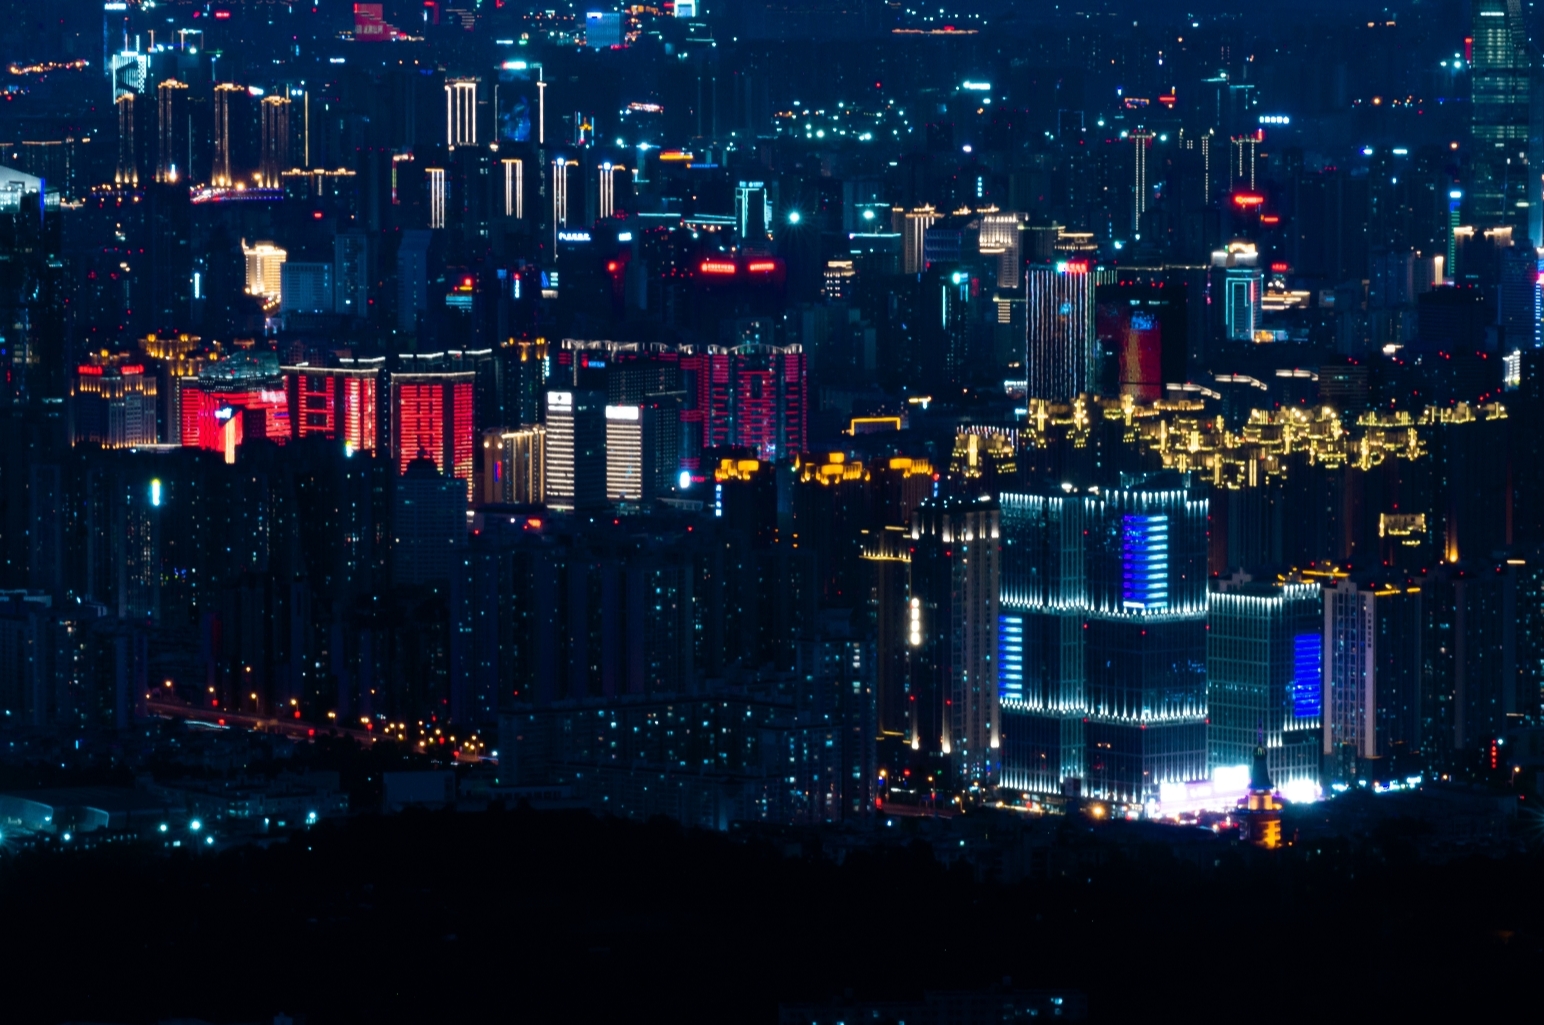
x=1145, y=563
x=1307, y=675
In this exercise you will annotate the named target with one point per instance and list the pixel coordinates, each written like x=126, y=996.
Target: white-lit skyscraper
x=1503, y=190
x=575, y=453
x=1264, y=666
x=1107, y=587
x=1061, y=346
x=460, y=112
x=1041, y=668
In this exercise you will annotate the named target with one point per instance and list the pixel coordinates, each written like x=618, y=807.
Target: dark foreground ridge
x=559, y=916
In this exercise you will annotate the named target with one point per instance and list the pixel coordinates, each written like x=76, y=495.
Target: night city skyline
x=771, y=510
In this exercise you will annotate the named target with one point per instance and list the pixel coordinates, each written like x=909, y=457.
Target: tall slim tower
x=1141, y=140
x=275, y=159
x=220, y=175
x=128, y=172
x=952, y=635
x=1061, y=343
x=171, y=158
x=460, y=112
x=1502, y=189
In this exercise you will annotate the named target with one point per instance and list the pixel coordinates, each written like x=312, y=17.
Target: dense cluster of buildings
x=740, y=424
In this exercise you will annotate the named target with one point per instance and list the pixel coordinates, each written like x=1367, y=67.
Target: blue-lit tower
x=1265, y=678
x=1146, y=638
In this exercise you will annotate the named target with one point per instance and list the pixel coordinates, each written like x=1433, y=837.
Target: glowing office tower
x=275, y=140
x=265, y=271
x=1503, y=190
x=1264, y=668
x=1141, y=141
x=1040, y=665
x=460, y=112
x=753, y=212
x=171, y=159
x=1146, y=638
x=575, y=453
x=436, y=196
x=951, y=614
x=514, y=466
x=514, y=188
x=1061, y=343
x=753, y=396
x=608, y=179
x=560, y=168
x=220, y=176
x=127, y=173
x=1372, y=702
x=1102, y=666
x=113, y=406
x=431, y=416
x=999, y=237
x=627, y=478
x=1243, y=289
x=337, y=403
x=914, y=226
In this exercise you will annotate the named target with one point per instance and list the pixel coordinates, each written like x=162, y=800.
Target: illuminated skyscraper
x=225, y=95
x=172, y=144
x=1142, y=141
x=1146, y=638
x=627, y=478
x=753, y=212
x=431, y=416
x=1503, y=189
x=951, y=617
x=265, y=271
x=127, y=173
x=1102, y=672
x=275, y=140
x=1061, y=344
x=575, y=466
x=999, y=237
x=514, y=188
x=338, y=403
x=436, y=180
x=514, y=466
x=914, y=226
x=460, y=112
x=1040, y=666
x=1264, y=667
x=752, y=396
x=1242, y=166
x=113, y=406
x=1243, y=289
x=1377, y=650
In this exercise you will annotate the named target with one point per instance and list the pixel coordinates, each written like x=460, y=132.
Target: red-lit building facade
x=220, y=418
x=751, y=396
x=431, y=415
x=337, y=403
